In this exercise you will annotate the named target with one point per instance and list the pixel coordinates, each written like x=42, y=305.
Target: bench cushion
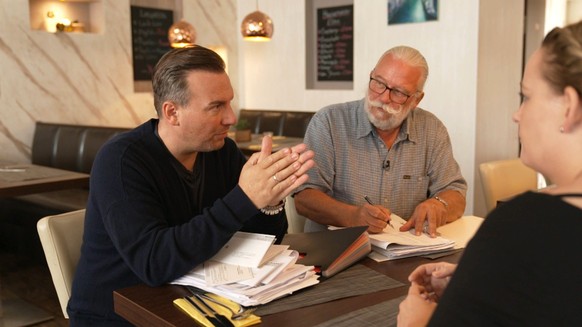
x=284, y=123
x=70, y=147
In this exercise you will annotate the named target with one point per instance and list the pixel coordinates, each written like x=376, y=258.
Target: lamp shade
x=257, y=26
x=181, y=34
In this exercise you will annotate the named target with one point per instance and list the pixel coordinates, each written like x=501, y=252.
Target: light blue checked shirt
x=352, y=160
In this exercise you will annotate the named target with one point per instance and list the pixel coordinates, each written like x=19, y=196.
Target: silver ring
x=275, y=178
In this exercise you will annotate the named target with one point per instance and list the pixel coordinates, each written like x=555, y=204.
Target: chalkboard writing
x=149, y=32
x=335, y=43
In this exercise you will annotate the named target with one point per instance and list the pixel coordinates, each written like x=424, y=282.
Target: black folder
x=332, y=250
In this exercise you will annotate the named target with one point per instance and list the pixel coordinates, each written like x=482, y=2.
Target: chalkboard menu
x=149, y=33
x=335, y=43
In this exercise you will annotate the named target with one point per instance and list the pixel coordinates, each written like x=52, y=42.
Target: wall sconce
x=181, y=34
x=257, y=26
x=54, y=22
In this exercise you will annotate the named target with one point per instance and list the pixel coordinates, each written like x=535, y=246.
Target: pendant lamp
x=257, y=26
x=181, y=34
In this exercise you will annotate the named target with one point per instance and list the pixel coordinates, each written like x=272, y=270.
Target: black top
x=522, y=268
x=149, y=220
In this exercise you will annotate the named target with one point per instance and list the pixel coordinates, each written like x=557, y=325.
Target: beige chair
x=295, y=220
x=505, y=178
x=61, y=237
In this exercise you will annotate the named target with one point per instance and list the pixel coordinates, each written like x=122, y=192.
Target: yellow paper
x=185, y=306
x=192, y=312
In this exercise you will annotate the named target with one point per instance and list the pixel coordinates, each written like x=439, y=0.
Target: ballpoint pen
x=370, y=202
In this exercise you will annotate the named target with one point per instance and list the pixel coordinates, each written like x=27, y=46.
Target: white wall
x=84, y=78
x=87, y=78
x=75, y=78
x=272, y=75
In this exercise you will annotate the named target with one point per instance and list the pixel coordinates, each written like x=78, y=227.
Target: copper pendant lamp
x=257, y=26
x=182, y=34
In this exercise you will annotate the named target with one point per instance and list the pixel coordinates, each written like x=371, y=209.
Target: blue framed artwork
x=412, y=11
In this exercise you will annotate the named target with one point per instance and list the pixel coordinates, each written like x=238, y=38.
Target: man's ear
x=170, y=112
x=573, y=103
x=419, y=97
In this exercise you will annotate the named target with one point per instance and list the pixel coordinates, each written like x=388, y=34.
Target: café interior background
x=475, y=52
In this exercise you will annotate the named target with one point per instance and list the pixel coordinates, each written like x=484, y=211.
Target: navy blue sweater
x=149, y=220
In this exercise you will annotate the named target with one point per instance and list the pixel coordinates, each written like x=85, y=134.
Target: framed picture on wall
x=329, y=44
x=412, y=11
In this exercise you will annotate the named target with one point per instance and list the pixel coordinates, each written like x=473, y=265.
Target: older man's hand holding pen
x=376, y=217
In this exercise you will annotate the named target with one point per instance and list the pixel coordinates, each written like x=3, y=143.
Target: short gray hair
x=411, y=56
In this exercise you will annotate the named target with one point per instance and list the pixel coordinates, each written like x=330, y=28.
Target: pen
x=370, y=202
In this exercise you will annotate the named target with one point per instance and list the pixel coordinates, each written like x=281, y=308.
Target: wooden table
x=22, y=179
x=152, y=306
x=279, y=142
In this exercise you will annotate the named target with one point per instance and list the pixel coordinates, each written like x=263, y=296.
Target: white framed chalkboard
x=330, y=44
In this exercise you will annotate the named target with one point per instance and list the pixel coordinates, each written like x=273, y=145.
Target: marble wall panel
x=82, y=78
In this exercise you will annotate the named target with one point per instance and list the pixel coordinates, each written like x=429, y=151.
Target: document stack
x=250, y=270
x=393, y=244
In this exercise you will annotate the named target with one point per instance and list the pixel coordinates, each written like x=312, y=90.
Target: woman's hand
x=433, y=277
x=416, y=309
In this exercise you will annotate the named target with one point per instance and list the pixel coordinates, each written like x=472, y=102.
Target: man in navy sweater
x=166, y=196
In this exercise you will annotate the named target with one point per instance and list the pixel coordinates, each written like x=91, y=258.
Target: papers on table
x=246, y=249
x=263, y=273
x=393, y=244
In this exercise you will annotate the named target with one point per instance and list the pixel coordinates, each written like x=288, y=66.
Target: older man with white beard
x=382, y=155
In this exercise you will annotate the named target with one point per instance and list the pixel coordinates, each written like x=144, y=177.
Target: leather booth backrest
x=285, y=123
x=70, y=147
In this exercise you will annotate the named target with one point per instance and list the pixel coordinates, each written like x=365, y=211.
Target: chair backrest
x=61, y=237
x=295, y=220
x=505, y=178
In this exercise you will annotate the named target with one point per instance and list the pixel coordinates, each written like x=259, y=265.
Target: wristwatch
x=445, y=203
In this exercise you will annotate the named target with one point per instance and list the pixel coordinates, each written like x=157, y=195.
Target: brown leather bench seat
x=69, y=147
x=74, y=147
x=283, y=123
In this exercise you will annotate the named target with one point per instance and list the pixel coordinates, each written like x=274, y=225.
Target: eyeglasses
x=395, y=95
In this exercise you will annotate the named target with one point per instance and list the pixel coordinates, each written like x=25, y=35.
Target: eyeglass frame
x=386, y=87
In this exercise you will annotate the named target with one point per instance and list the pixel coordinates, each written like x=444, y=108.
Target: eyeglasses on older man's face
x=395, y=95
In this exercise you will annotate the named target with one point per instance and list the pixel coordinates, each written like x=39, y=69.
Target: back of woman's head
x=562, y=52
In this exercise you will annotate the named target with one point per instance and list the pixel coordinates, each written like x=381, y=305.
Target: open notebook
x=394, y=244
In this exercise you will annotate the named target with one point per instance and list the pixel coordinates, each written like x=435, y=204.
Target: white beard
x=394, y=117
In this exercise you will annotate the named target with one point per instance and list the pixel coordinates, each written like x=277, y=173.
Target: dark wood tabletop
x=152, y=306
x=22, y=179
